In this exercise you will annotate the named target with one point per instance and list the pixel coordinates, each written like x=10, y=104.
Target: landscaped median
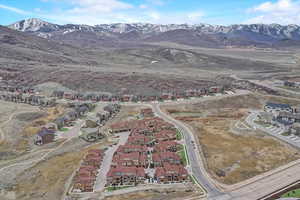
x=184, y=156
x=114, y=188
x=292, y=194
x=179, y=135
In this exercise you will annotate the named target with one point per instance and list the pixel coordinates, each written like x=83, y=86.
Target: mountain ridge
x=203, y=34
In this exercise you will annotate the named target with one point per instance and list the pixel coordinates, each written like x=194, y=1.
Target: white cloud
x=93, y=12
x=93, y=6
x=195, y=16
x=156, y=2
x=143, y=6
x=282, y=12
x=13, y=9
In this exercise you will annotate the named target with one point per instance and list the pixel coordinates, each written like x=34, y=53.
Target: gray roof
x=44, y=132
x=278, y=105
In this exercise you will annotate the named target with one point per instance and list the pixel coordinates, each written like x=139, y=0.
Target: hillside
x=129, y=35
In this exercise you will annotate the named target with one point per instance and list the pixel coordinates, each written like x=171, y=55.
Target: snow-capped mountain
x=199, y=35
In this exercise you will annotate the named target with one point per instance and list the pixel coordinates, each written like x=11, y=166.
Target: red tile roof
x=126, y=171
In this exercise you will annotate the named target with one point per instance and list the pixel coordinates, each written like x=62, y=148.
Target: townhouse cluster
x=48, y=132
x=164, y=96
x=91, y=130
x=85, y=177
x=151, y=154
x=25, y=95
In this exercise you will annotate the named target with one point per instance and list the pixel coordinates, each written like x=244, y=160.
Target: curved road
x=196, y=164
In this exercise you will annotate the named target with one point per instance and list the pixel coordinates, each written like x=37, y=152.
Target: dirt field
x=154, y=195
x=48, y=179
x=231, y=157
x=11, y=127
x=25, y=122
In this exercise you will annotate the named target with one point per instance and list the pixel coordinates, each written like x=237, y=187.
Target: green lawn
x=187, y=156
x=183, y=156
x=286, y=134
x=63, y=129
x=178, y=135
x=112, y=188
x=193, y=179
x=293, y=193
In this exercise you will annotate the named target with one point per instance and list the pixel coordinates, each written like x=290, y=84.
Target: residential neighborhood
x=151, y=154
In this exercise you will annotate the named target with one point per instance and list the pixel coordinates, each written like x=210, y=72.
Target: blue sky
x=221, y=12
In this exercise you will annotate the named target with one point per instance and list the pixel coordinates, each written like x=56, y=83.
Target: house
x=60, y=122
x=91, y=134
x=170, y=146
x=58, y=94
x=93, y=161
x=51, y=126
x=122, y=127
x=134, y=159
x=91, y=122
x=289, y=117
x=166, y=135
x=158, y=159
x=93, y=170
x=72, y=115
x=45, y=136
x=84, y=184
x=127, y=148
x=140, y=140
x=96, y=152
x=82, y=110
x=146, y=113
x=125, y=176
x=103, y=116
x=171, y=174
x=275, y=108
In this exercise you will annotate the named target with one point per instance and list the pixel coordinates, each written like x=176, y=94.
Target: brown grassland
x=232, y=158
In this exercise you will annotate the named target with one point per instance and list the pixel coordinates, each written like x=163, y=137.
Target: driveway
x=107, y=160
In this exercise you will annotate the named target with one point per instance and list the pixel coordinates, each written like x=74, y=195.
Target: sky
x=91, y=12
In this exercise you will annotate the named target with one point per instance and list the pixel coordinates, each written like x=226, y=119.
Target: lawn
x=114, y=188
x=64, y=129
x=286, y=134
x=293, y=193
x=178, y=135
x=183, y=156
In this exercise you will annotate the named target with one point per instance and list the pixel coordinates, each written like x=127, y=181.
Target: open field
x=25, y=122
x=14, y=118
x=50, y=179
x=163, y=194
x=230, y=157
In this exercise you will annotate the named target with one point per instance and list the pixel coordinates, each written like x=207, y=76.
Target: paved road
x=196, y=164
